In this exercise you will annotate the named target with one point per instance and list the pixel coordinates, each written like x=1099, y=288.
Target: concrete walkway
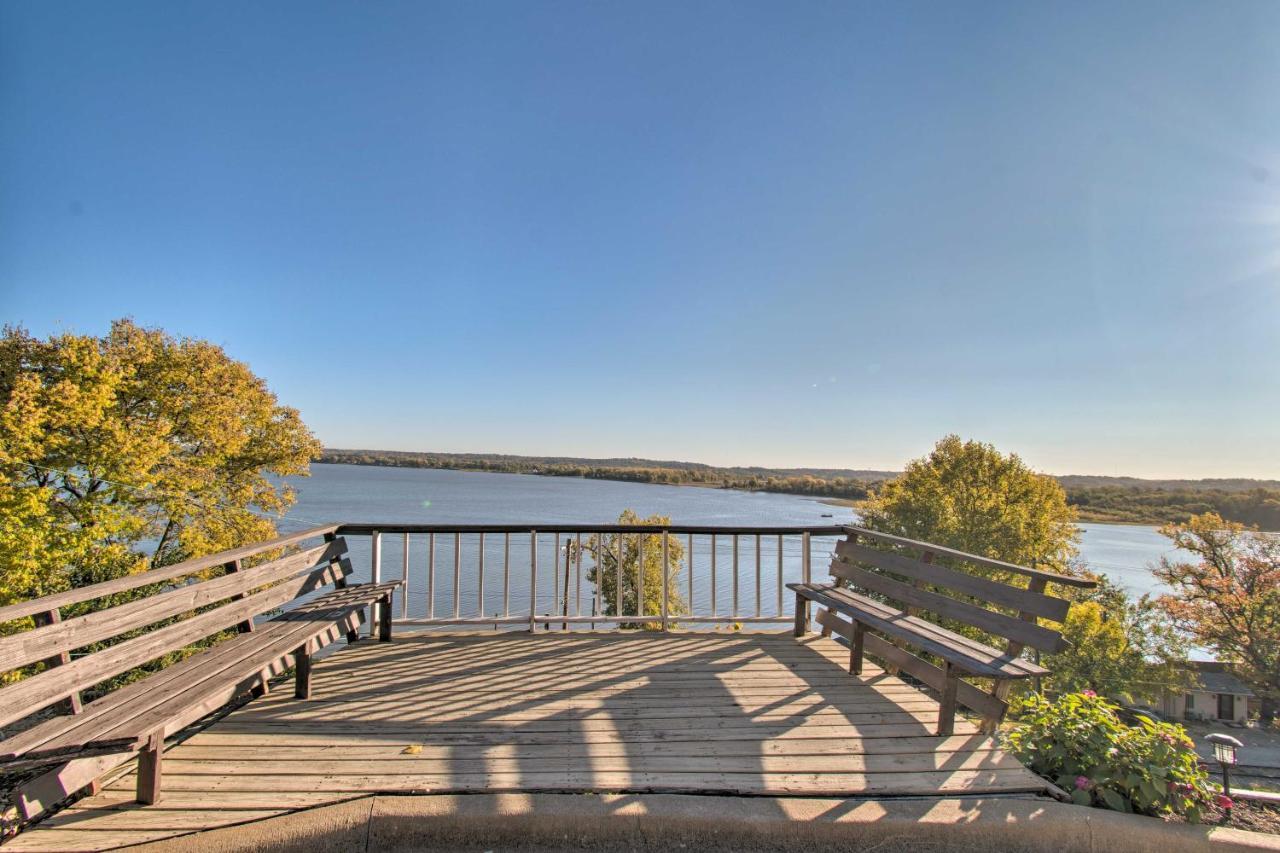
x=664, y=823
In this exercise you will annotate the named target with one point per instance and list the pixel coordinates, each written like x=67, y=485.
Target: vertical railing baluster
x=506, y=575
x=640, y=574
x=457, y=574
x=780, y=578
x=757, y=574
x=577, y=576
x=597, y=605
x=404, y=581
x=618, y=612
x=735, y=575
x=431, y=576
x=690, y=558
x=713, y=574
x=533, y=580
x=480, y=580
x=666, y=569
x=804, y=570
x=555, y=577
x=375, y=576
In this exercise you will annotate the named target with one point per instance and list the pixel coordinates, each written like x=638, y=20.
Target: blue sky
x=793, y=234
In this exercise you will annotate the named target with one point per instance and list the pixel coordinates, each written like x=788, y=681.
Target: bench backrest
x=907, y=572
x=203, y=605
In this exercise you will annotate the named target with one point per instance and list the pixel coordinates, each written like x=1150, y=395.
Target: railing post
x=457, y=574
x=533, y=580
x=618, y=589
x=735, y=575
x=689, y=579
x=506, y=574
x=480, y=580
x=805, y=551
x=404, y=581
x=431, y=576
x=666, y=575
x=375, y=576
x=640, y=576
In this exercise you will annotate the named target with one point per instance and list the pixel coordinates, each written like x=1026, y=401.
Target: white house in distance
x=1220, y=695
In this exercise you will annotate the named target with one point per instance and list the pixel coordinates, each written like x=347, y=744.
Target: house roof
x=1214, y=678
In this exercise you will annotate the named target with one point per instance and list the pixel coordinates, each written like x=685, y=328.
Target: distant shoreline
x=1151, y=506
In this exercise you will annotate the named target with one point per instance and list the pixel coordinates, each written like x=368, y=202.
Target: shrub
x=1080, y=743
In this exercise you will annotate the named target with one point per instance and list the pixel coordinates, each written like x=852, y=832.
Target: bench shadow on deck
x=746, y=714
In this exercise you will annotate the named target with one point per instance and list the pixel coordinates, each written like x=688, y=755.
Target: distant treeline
x=1259, y=507
x=1105, y=499
x=816, y=483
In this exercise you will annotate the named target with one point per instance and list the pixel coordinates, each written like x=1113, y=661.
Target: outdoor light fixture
x=1224, y=750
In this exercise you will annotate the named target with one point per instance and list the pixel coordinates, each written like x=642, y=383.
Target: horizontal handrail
x=366, y=528
x=889, y=538
x=48, y=603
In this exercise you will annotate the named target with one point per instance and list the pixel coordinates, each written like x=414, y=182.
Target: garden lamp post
x=1224, y=750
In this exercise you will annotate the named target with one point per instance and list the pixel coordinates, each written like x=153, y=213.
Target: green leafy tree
x=603, y=551
x=1120, y=648
x=130, y=451
x=969, y=496
x=1228, y=599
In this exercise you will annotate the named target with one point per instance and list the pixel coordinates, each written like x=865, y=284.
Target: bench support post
x=802, y=616
x=302, y=672
x=51, y=617
x=384, y=619
x=855, y=648
x=149, y=768
x=947, y=707
x=340, y=582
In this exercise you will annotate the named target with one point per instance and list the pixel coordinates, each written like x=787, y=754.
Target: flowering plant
x=1080, y=743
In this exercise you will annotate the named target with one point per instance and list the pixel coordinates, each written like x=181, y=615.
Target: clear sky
x=777, y=233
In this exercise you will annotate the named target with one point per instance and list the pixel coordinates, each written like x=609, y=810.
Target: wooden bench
x=188, y=606
x=907, y=572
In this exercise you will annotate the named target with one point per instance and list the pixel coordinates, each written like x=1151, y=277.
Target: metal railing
x=565, y=576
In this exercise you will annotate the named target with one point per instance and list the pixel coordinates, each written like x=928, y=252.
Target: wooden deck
x=751, y=714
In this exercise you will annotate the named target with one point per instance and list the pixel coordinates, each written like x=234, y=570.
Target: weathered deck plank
x=743, y=713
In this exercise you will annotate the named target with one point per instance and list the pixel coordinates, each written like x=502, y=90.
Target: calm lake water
x=354, y=493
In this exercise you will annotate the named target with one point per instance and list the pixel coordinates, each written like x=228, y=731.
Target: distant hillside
x=1096, y=498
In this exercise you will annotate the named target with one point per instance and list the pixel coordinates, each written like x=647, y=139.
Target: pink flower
x=1083, y=782
x=1090, y=693
x=1224, y=802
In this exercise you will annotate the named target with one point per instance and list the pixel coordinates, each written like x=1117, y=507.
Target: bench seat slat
x=1010, y=627
x=985, y=589
x=227, y=652
x=923, y=627
x=54, y=684
x=971, y=656
x=177, y=570
x=143, y=706
x=21, y=649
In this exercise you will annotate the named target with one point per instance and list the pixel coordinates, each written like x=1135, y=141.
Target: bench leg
x=384, y=620
x=802, y=616
x=855, y=649
x=991, y=722
x=947, y=708
x=149, y=761
x=302, y=672
x=826, y=628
